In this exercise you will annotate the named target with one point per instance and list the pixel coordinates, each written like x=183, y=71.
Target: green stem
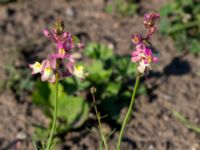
x=103, y=138
x=54, y=117
x=128, y=112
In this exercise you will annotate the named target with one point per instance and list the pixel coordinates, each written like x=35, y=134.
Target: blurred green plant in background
x=112, y=75
x=18, y=80
x=122, y=7
x=181, y=20
x=6, y=1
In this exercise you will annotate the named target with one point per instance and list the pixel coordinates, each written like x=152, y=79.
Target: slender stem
x=128, y=112
x=103, y=138
x=54, y=117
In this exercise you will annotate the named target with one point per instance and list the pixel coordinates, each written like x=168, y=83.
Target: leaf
x=167, y=9
x=41, y=93
x=97, y=73
x=194, y=46
x=164, y=25
x=98, y=51
x=70, y=86
x=83, y=84
x=131, y=69
x=121, y=64
x=73, y=111
x=109, y=8
x=113, y=88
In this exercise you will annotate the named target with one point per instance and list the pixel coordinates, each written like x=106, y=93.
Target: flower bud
x=150, y=19
x=136, y=38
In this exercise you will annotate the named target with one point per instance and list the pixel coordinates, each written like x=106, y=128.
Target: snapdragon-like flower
x=37, y=67
x=59, y=64
x=144, y=57
x=143, y=54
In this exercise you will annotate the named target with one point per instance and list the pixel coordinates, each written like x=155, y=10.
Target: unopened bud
x=59, y=26
x=150, y=19
x=93, y=90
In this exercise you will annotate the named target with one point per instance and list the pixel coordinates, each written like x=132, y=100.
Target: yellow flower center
x=37, y=65
x=61, y=51
x=149, y=59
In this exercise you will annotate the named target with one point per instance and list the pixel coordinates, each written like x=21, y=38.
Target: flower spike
x=143, y=54
x=56, y=61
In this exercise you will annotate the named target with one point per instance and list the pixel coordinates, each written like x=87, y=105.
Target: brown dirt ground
x=173, y=85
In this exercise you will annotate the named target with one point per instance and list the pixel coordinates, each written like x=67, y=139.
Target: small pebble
x=21, y=136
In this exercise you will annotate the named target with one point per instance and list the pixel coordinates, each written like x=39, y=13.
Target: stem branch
x=103, y=138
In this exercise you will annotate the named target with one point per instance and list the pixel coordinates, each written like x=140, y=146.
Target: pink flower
x=59, y=64
x=136, y=38
x=151, y=31
x=48, y=68
x=144, y=57
x=64, y=42
x=143, y=54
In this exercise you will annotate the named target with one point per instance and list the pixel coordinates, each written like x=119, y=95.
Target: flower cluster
x=59, y=64
x=149, y=23
x=143, y=54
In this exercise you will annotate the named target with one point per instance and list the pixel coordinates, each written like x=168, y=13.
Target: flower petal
x=46, y=74
x=135, y=59
x=37, y=67
x=52, y=79
x=155, y=59
x=79, y=72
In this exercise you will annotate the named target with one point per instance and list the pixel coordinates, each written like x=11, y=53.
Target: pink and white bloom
x=143, y=54
x=48, y=75
x=59, y=64
x=144, y=57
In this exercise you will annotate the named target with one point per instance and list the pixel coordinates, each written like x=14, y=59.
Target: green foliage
x=6, y=1
x=18, y=80
x=122, y=7
x=72, y=110
x=113, y=77
x=181, y=20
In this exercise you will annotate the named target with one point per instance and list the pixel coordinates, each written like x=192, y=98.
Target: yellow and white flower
x=37, y=67
x=79, y=72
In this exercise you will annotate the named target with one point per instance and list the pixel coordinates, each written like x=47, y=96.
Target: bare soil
x=173, y=85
